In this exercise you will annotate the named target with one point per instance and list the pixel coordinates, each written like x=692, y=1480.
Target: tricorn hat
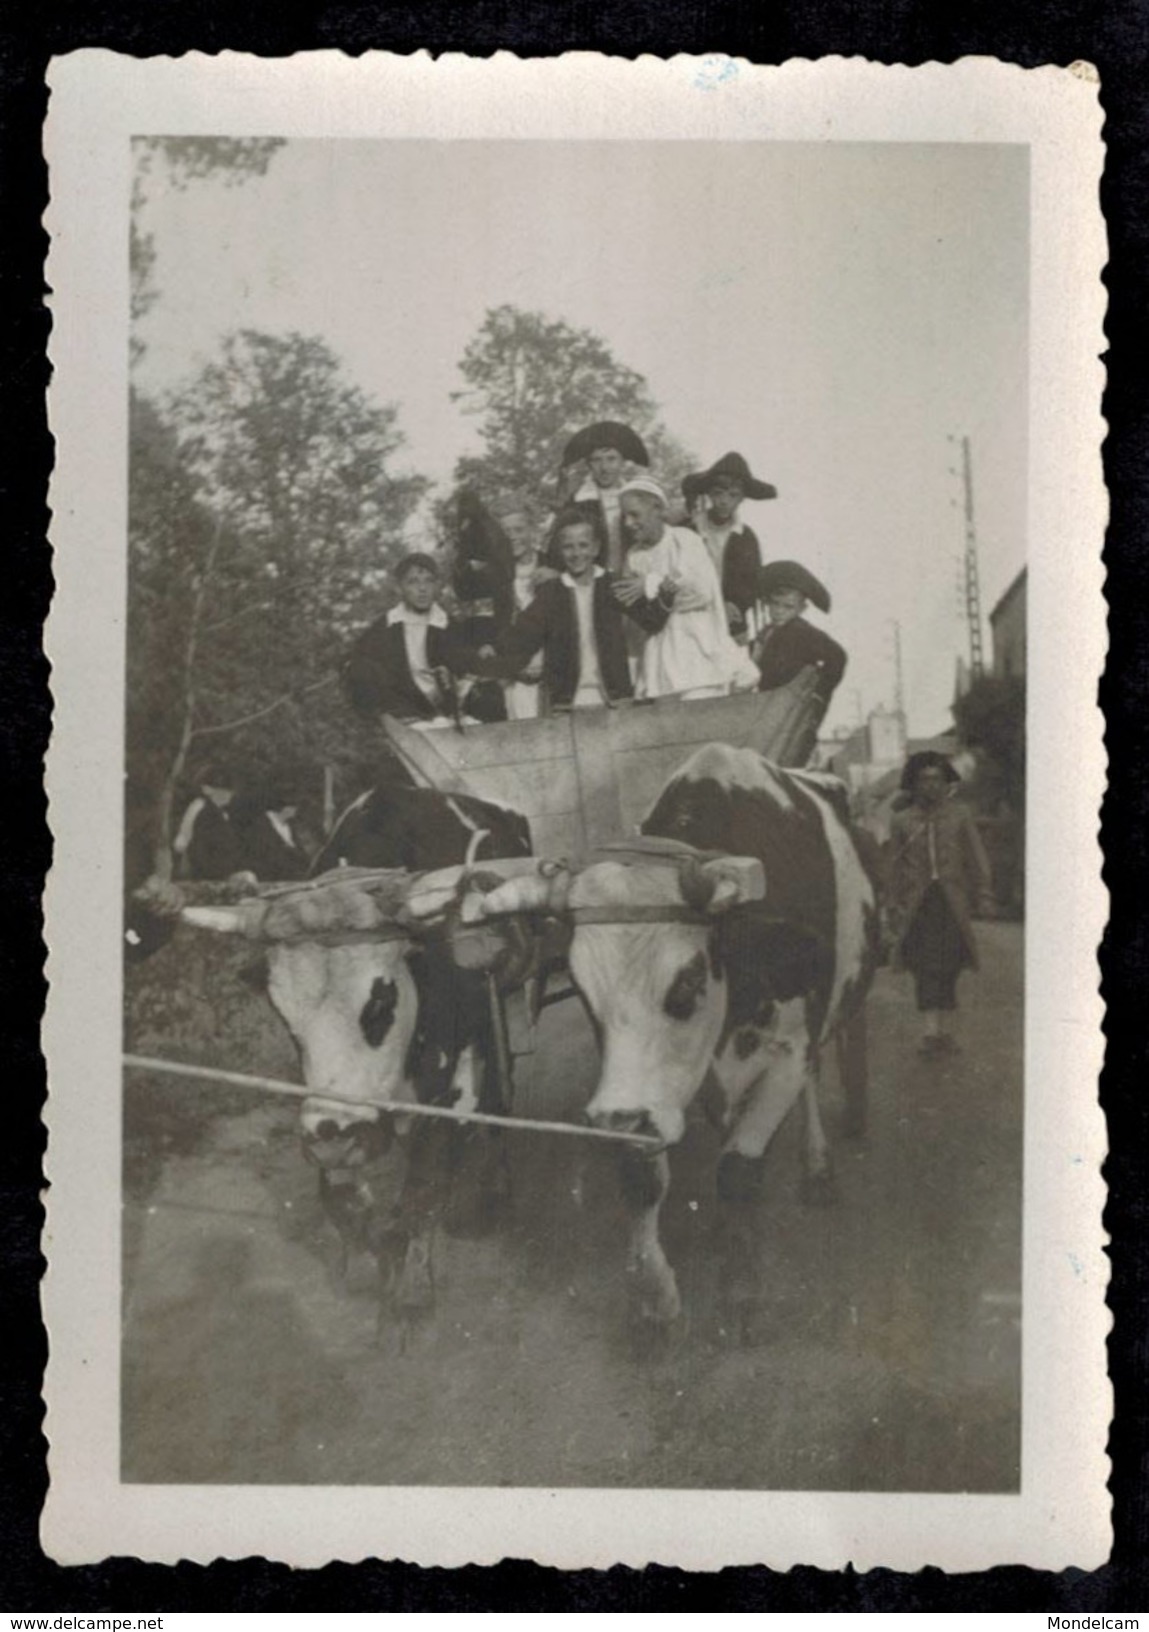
x=607, y=433
x=926, y=760
x=734, y=466
x=782, y=575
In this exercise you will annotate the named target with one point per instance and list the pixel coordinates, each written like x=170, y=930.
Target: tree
x=169, y=539
x=263, y=510
x=534, y=381
x=990, y=720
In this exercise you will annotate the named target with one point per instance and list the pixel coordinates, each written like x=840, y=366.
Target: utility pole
x=972, y=587
x=899, y=689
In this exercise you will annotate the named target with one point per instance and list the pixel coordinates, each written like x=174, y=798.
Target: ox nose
x=634, y=1120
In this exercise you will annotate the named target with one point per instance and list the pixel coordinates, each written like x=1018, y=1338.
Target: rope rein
x=298, y=1090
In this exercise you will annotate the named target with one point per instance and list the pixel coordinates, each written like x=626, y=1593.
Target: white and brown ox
x=727, y=943
x=380, y=1013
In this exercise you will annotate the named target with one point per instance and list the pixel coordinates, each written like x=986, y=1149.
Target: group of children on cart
x=627, y=597
x=619, y=601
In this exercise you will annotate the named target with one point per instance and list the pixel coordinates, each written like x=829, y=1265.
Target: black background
x=1113, y=36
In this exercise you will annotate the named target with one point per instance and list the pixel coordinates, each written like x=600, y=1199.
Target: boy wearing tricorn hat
x=789, y=644
x=713, y=498
x=606, y=449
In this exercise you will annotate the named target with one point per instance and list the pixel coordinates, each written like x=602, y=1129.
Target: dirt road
x=885, y=1355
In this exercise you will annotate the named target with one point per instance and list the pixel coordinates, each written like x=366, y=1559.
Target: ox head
x=338, y=973
x=340, y=952
x=643, y=954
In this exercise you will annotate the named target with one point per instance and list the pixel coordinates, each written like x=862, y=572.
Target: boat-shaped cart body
x=586, y=777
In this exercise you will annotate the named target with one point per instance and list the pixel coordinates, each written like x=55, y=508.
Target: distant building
x=870, y=754
x=866, y=751
x=1007, y=625
x=870, y=759
x=887, y=730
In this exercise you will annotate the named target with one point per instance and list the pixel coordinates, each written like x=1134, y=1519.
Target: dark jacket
x=791, y=647
x=214, y=842
x=377, y=676
x=550, y=624
x=741, y=565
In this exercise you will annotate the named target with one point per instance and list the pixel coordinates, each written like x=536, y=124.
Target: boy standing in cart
x=408, y=662
x=693, y=655
x=713, y=499
x=578, y=624
x=607, y=450
x=790, y=643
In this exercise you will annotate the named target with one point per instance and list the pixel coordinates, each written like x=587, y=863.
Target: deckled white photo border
x=98, y=101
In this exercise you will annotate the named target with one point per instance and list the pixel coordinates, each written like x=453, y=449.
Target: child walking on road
x=937, y=873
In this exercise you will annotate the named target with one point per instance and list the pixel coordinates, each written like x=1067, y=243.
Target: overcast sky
x=831, y=311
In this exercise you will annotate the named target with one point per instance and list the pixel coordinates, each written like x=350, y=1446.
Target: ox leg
x=645, y=1181
x=790, y=1071
x=480, y=1184
x=852, y=1045
x=740, y=1174
x=818, y=1188
x=784, y=1053
x=764, y=1107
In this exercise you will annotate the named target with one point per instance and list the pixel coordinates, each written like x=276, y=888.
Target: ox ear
x=736, y=880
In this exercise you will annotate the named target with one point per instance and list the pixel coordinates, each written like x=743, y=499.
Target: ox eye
x=686, y=989
x=379, y=1011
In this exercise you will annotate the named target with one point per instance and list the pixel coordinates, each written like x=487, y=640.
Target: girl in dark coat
x=937, y=871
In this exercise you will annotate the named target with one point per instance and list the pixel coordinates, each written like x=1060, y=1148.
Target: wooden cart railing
x=586, y=777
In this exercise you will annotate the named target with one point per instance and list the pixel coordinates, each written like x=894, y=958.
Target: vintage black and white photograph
x=574, y=599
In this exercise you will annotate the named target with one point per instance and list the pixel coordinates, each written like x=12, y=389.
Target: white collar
x=436, y=618
x=599, y=572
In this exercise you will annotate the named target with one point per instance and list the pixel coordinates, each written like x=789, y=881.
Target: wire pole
x=899, y=688
x=972, y=586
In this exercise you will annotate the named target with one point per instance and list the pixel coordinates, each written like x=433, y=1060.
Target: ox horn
x=544, y=889
x=222, y=920
x=733, y=881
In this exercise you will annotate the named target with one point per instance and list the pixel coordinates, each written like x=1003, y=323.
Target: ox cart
x=586, y=777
